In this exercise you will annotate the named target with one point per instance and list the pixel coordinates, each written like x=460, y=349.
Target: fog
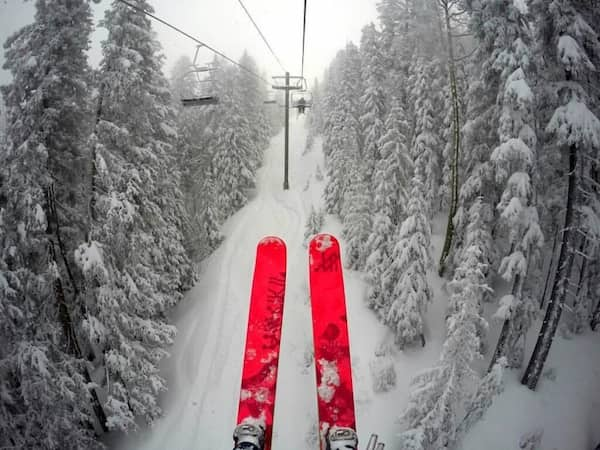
x=223, y=24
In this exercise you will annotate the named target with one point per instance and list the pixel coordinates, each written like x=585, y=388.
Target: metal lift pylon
x=287, y=88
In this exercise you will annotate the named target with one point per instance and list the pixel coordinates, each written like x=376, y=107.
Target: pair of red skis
x=337, y=424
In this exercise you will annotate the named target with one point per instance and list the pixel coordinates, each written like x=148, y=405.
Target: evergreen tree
x=490, y=387
x=390, y=181
x=393, y=172
x=134, y=262
x=502, y=31
x=314, y=224
x=434, y=405
x=43, y=378
x=373, y=97
x=568, y=44
x=343, y=143
x=234, y=152
x=405, y=282
x=450, y=12
x=251, y=94
x=356, y=219
x=426, y=147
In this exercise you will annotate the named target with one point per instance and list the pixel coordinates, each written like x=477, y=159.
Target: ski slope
x=204, y=371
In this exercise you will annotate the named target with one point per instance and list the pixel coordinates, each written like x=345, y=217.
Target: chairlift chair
x=301, y=100
x=200, y=97
x=271, y=99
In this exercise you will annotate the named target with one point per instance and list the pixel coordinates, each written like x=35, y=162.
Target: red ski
x=337, y=424
x=261, y=356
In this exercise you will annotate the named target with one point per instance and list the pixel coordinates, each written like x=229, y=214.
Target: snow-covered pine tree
x=356, y=217
x=502, y=30
x=314, y=224
x=391, y=184
x=567, y=45
x=341, y=145
x=43, y=377
x=378, y=259
x=343, y=137
x=134, y=262
x=477, y=235
x=208, y=218
x=405, y=280
x=396, y=26
x=446, y=165
x=234, y=152
x=449, y=14
x=432, y=415
x=588, y=281
x=395, y=168
x=373, y=98
x=483, y=111
x=426, y=148
x=314, y=119
x=490, y=386
x=251, y=94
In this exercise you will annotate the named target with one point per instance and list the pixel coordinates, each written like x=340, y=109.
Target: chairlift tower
x=287, y=88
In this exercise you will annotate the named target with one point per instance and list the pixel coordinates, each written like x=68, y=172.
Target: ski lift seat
x=200, y=101
x=301, y=100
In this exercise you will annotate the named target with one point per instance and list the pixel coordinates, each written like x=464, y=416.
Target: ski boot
x=342, y=438
x=247, y=436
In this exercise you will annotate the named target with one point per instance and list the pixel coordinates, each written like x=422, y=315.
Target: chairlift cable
x=189, y=36
x=261, y=34
x=303, y=38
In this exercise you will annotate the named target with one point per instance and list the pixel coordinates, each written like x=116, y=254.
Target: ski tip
x=271, y=240
x=322, y=242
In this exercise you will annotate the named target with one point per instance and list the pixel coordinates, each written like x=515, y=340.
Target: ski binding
x=247, y=436
x=342, y=438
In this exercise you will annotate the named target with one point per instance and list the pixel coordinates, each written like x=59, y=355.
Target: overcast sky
x=223, y=25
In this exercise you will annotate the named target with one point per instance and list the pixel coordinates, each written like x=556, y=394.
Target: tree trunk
x=64, y=315
x=51, y=200
x=579, y=315
x=549, y=271
x=455, y=143
x=71, y=342
x=559, y=287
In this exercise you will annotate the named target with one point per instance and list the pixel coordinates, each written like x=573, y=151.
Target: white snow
x=575, y=124
x=40, y=215
x=89, y=256
x=21, y=230
x=323, y=243
x=168, y=130
x=571, y=54
x=204, y=371
x=330, y=379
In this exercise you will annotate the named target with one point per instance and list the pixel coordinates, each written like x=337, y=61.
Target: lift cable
x=261, y=35
x=158, y=19
x=303, y=38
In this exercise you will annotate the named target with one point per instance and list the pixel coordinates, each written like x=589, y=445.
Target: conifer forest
x=454, y=149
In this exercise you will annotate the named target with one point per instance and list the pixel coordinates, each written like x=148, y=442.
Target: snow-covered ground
x=204, y=370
